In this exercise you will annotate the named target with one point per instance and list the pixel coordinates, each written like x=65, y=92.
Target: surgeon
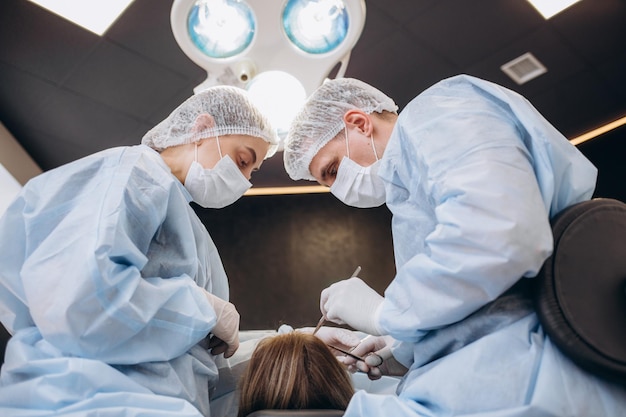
x=472, y=174
x=111, y=286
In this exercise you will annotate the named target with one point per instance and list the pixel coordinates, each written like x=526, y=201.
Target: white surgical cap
x=321, y=119
x=232, y=111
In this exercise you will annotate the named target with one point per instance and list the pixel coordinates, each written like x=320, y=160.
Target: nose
x=247, y=172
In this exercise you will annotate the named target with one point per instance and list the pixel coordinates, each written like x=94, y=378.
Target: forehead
x=258, y=144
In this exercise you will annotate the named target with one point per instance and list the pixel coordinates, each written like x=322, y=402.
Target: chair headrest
x=580, y=295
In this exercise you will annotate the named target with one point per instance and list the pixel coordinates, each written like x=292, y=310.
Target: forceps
x=372, y=359
x=323, y=319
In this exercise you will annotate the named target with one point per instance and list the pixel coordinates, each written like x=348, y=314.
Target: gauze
x=217, y=187
x=356, y=185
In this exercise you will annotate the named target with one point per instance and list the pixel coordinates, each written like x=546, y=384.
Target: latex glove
x=225, y=333
x=380, y=345
x=353, y=303
x=335, y=336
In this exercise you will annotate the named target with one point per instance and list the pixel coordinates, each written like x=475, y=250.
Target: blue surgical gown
x=103, y=267
x=473, y=174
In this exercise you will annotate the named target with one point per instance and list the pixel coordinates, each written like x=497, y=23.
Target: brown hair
x=294, y=371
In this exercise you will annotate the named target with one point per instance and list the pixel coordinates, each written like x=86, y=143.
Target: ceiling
x=66, y=93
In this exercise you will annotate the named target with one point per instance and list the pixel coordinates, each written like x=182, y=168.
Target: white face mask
x=217, y=187
x=356, y=185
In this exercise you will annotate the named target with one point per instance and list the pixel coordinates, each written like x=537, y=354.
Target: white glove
x=352, y=302
x=335, y=336
x=372, y=349
x=225, y=337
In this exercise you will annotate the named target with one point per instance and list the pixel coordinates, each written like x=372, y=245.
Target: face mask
x=217, y=187
x=356, y=185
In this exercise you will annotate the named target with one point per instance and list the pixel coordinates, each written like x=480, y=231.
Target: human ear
x=203, y=122
x=360, y=120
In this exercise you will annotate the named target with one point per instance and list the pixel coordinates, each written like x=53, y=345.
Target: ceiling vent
x=524, y=68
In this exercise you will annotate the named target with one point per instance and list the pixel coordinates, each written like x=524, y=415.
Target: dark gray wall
x=280, y=252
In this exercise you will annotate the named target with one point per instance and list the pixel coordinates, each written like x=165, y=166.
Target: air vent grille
x=524, y=68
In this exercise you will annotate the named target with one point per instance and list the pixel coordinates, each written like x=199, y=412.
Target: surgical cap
x=232, y=111
x=321, y=119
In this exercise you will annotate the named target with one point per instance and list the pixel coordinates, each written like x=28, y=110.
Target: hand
x=335, y=336
x=381, y=346
x=352, y=302
x=225, y=333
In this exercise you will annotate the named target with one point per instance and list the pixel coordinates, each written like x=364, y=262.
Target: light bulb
x=315, y=26
x=221, y=28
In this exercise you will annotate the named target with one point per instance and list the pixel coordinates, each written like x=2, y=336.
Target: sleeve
x=491, y=226
x=84, y=282
x=13, y=310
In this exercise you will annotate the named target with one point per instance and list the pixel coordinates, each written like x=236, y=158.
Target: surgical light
x=304, y=40
x=316, y=27
x=279, y=95
x=221, y=28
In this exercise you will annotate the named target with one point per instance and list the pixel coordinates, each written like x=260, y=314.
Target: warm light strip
x=313, y=189
x=305, y=189
x=598, y=131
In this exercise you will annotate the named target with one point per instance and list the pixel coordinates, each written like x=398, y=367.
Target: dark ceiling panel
x=614, y=72
x=596, y=29
x=466, y=32
x=547, y=47
x=579, y=104
x=125, y=81
x=399, y=67
x=145, y=28
x=378, y=28
x=84, y=121
x=37, y=41
x=163, y=111
x=74, y=120
x=402, y=11
x=23, y=97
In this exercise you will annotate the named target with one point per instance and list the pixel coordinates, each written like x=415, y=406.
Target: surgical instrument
x=323, y=318
x=371, y=359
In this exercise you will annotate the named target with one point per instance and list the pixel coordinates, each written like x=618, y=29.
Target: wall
x=15, y=159
x=280, y=252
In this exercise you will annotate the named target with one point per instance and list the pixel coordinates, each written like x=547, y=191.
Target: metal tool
x=323, y=318
x=372, y=359
x=319, y=324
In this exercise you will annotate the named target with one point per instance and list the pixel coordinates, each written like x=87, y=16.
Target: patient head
x=294, y=371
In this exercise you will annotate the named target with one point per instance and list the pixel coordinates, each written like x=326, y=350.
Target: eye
x=244, y=161
x=329, y=173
